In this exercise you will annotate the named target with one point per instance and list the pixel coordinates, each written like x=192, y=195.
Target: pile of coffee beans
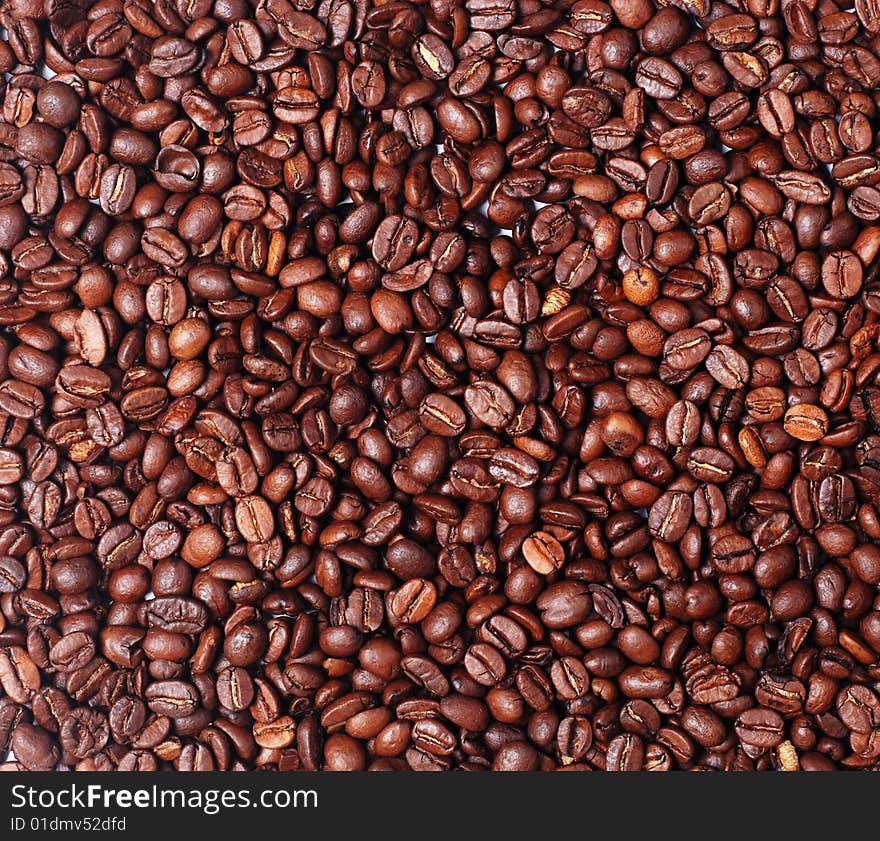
x=482, y=384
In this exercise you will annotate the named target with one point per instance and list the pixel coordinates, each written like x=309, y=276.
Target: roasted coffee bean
x=543, y=552
x=670, y=516
x=34, y=748
x=806, y=422
x=687, y=348
x=727, y=366
x=174, y=698
x=760, y=728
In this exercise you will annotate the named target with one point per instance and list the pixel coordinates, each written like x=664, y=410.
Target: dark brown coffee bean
x=727, y=366
x=670, y=516
x=760, y=728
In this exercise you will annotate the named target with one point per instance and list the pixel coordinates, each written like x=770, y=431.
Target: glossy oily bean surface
x=473, y=384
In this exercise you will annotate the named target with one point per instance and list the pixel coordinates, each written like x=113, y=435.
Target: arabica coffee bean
x=543, y=552
x=486, y=385
x=806, y=422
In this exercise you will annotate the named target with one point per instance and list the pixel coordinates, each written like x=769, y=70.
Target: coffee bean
x=760, y=728
x=543, y=552
x=683, y=424
x=727, y=366
x=484, y=664
x=709, y=464
x=19, y=675
x=658, y=78
x=670, y=516
x=34, y=748
x=686, y=349
x=842, y=274
x=413, y=601
x=806, y=422
x=235, y=689
x=490, y=403
x=442, y=415
x=174, y=698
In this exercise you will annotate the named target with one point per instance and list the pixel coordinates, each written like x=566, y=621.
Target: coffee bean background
x=488, y=385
